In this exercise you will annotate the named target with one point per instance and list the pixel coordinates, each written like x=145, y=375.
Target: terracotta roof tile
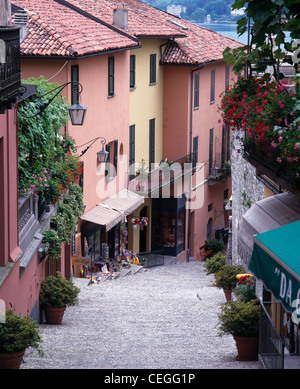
x=55, y=30
x=193, y=44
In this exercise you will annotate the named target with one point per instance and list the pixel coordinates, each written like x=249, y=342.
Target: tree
x=269, y=19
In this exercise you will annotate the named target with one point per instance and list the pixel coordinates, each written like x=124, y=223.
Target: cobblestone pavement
x=160, y=318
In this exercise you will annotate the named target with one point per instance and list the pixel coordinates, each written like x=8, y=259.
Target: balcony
x=266, y=164
x=34, y=217
x=10, y=74
x=217, y=172
x=162, y=176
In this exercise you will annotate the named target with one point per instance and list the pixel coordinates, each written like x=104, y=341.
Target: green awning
x=276, y=261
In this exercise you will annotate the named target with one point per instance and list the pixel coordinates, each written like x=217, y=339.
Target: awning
x=276, y=261
x=125, y=201
x=265, y=215
x=103, y=215
x=114, y=210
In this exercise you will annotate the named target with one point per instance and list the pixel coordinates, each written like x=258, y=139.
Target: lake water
x=227, y=29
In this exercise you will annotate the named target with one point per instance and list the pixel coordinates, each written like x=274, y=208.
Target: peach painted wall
x=177, y=124
x=106, y=117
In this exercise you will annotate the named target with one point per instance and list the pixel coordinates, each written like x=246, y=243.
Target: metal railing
x=10, y=74
x=151, y=258
x=271, y=343
x=162, y=175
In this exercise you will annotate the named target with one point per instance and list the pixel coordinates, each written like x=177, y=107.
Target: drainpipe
x=191, y=150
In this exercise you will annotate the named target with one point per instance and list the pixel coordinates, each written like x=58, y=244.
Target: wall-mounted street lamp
x=102, y=154
x=77, y=111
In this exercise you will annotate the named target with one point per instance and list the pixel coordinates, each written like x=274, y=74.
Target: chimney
x=121, y=18
x=5, y=13
x=21, y=19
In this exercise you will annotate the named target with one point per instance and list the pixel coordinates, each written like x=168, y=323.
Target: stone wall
x=246, y=190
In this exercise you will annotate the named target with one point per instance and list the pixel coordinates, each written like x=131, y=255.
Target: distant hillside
x=197, y=10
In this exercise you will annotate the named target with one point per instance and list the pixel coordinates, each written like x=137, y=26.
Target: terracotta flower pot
x=54, y=315
x=247, y=348
x=11, y=360
x=227, y=293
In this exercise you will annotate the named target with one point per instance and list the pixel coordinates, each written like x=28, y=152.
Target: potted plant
x=241, y=320
x=17, y=333
x=245, y=288
x=215, y=245
x=225, y=278
x=213, y=264
x=56, y=294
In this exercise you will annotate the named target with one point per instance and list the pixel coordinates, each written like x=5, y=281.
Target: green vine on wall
x=48, y=165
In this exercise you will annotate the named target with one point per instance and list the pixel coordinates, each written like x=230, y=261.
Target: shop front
x=168, y=225
x=269, y=245
x=103, y=237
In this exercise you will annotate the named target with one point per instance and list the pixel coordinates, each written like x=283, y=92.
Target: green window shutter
x=196, y=90
x=131, y=150
x=195, y=150
x=152, y=68
x=132, y=71
x=111, y=76
x=212, y=85
x=116, y=157
x=151, y=142
x=74, y=88
x=107, y=163
x=211, y=147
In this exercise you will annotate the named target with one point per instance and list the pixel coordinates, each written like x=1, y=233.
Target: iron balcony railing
x=162, y=175
x=10, y=74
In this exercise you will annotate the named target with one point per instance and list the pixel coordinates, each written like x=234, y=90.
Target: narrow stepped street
x=159, y=318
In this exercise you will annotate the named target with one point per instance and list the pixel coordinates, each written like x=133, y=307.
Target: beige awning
x=103, y=215
x=114, y=210
x=125, y=202
x=265, y=215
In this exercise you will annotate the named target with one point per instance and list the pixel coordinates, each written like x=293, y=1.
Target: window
x=210, y=207
x=111, y=76
x=195, y=151
x=151, y=143
x=131, y=151
x=152, y=68
x=132, y=72
x=75, y=88
x=227, y=69
x=196, y=90
x=111, y=164
x=211, y=148
x=81, y=175
x=225, y=194
x=212, y=85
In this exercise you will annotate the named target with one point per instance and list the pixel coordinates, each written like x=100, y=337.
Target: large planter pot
x=54, y=315
x=227, y=293
x=11, y=360
x=247, y=348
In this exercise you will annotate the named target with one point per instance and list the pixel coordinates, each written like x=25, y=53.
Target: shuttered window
x=211, y=147
x=212, y=85
x=195, y=150
x=132, y=72
x=74, y=87
x=196, y=90
x=131, y=151
x=151, y=143
x=111, y=76
x=152, y=68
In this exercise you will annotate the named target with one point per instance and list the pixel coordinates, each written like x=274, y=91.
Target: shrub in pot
x=241, y=320
x=213, y=264
x=225, y=278
x=56, y=294
x=17, y=333
x=215, y=245
x=245, y=288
